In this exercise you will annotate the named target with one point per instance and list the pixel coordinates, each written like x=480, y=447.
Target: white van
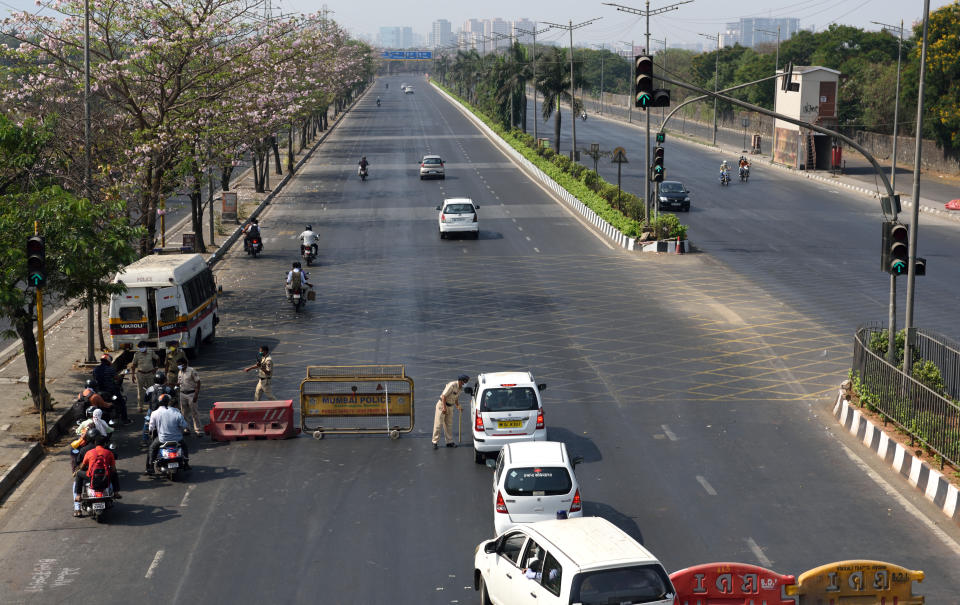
x=587, y=560
x=169, y=297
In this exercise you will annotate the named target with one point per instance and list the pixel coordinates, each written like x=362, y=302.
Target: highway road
x=697, y=388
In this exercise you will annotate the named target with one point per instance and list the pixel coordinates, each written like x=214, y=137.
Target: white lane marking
x=528, y=237
x=941, y=535
x=537, y=250
x=758, y=553
x=519, y=228
x=186, y=496
x=154, y=564
x=514, y=220
x=666, y=431
x=706, y=485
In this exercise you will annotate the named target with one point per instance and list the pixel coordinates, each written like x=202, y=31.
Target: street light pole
x=892, y=320
x=633, y=92
x=87, y=161
x=716, y=82
x=915, y=209
x=776, y=68
x=573, y=101
x=534, y=33
x=646, y=49
x=663, y=68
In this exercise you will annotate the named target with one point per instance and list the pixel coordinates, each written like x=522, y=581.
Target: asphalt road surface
x=696, y=388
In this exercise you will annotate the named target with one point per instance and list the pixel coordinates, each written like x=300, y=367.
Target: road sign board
x=620, y=156
x=407, y=55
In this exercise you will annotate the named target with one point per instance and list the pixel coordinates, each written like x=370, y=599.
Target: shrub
x=562, y=162
x=547, y=152
x=577, y=169
x=928, y=374
x=591, y=179
x=666, y=226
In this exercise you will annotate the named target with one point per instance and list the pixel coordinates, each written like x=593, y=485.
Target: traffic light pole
x=41, y=371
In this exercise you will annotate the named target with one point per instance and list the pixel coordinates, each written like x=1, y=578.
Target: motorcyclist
x=744, y=165
x=85, y=472
x=296, y=274
x=107, y=382
x=159, y=387
x=250, y=232
x=309, y=238
x=169, y=424
x=724, y=170
x=378, y=101
x=388, y=85
x=583, y=116
x=83, y=397
x=87, y=433
x=363, y=165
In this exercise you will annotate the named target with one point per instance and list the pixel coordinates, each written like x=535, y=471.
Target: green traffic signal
x=661, y=137
x=643, y=100
x=643, y=80
x=36, y=261
x=657, y=165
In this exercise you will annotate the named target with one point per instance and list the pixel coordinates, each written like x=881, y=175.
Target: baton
x=459, y=423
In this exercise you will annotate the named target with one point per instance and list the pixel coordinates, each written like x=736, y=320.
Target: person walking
x=264, y=368
x=175, y=356
x=188, y=380
x=145, y=364
x=443, y=416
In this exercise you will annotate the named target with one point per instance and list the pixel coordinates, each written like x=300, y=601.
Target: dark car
x=673, y=195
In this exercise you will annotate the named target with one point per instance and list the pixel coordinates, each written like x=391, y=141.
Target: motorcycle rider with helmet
x=168, y=424
x=293, y=275
x=250, y=232
x=84, y=472
x=744, y=165
x=363, y=165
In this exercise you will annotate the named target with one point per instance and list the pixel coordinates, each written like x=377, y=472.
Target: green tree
x=86, y=243
x=942, y=85
x=553, y=82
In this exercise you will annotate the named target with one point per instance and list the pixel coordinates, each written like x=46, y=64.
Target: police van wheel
x=194, y=351
x=211, y=336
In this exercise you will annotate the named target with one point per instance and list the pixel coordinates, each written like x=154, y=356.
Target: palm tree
x=466, y=65
x=514, y=73
x=553, y=82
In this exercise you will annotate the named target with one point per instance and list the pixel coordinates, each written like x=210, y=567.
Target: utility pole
x=573, y=101
x=892, y=320
x=646, y=49
x=633, y=87
x=716, y=82
x=87, y=165
x=534, y=33
x=776, y=68
x=914, y=221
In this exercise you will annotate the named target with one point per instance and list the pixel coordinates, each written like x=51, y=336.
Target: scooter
x=169, y=460
x=363, y=173
x=724, y=178
x=583, y=116
x=95, y=502
x=306, y=251
x=744, y=174
x=378, y=102
x=299, y=298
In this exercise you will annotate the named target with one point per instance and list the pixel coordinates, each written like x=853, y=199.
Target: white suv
x=587, y=560
x=534, y=481
x=506, y=408
x=458, y=215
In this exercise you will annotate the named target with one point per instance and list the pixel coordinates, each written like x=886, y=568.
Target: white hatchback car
x=534, y=481
x=589, y=561
x=458, y=215
x=506, y=408
x=432, y=166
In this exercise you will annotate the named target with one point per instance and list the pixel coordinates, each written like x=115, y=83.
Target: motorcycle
x=363, y=173
x=299, y=298
x=583, y=116
x=744, y=173
x=253, y=245
x=724, y=178
x=169, y=460
x=378, y=102
x=306, y=251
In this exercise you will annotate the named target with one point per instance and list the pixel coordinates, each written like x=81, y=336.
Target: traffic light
x=661, y=137
x=643, y=78
x=657, y=174
x=36, y=261
x=895, y=254
x=921, y=267
x=661, y=98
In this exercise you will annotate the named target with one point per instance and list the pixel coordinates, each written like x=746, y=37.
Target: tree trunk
x=103, y=345
x=290, y=149
x=303, y=133
x=257, y=183
x=265, y=163
x=23, y=324
x=225, y=173
x=276, y=154
x=556, y=130
x=196, y=204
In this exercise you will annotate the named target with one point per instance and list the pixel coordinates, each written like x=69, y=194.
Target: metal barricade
x=354, y=400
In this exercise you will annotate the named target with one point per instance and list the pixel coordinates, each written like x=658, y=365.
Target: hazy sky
x=365, y=17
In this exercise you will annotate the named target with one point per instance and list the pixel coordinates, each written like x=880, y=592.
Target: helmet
x=160, y=377
x=363, y=158
x=309, y=227
x=106, y=357
x=163, y=400
x=91, y=384
x=253, y=221
x=296, y=264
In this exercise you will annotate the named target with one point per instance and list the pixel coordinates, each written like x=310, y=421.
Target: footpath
x=66, y=341
x=936, y=189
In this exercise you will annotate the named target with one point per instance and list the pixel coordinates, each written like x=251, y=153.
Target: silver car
x=431, y=166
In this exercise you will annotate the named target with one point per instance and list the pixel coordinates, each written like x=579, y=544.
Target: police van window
x=510, y=547
x=636, y=584
x=131, y=314
x=169, y=314
x=551, y=574
x=508, y=399
x=538, y=481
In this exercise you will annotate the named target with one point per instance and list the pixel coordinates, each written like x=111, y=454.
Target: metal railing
x=945, y=353
x=922, y=413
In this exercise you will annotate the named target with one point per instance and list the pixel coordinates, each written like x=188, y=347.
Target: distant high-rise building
x=525, y=24
x=503, y=28
x=396, y=37
x=440, y=33
x=745, y=31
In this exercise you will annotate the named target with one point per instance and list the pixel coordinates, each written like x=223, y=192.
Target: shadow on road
x=627, y=524
x=577, y=445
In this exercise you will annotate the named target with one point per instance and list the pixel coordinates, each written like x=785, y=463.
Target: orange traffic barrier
x=231, y=420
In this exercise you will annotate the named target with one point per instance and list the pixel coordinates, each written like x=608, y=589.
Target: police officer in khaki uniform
x=175, y=357
x=145, y=364
x=264, y=368
x=188, y=379
x=443, y=416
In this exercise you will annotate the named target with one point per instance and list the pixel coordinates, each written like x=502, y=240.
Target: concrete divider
x=231, y=420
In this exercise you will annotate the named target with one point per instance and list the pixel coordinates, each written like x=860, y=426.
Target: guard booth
x=364, y=399
x=857, y=582
x=811, y=97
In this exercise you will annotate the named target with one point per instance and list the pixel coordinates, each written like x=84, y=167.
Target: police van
x=168, y=298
